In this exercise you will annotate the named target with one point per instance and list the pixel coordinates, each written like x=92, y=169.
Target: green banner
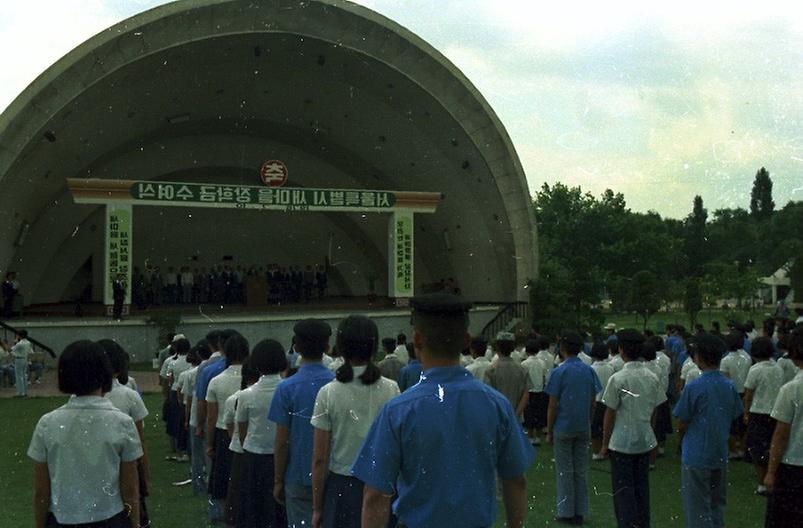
x=400, y=257
x=255, y=197
x=118, y=250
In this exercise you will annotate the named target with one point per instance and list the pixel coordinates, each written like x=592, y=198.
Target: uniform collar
x=89, y=402
x=633, y=364
x=445, y=374
x=316, y=365
x=481, y=359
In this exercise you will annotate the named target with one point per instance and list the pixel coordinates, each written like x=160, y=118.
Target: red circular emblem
x=273, y=173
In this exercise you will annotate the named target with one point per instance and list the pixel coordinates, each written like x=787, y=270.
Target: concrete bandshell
x=363, y=101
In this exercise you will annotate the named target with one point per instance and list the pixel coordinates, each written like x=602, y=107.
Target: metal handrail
x=507, y=312
x=34, y=342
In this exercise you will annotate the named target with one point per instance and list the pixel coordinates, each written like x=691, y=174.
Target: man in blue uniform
x=441, y=445
x=291, y=410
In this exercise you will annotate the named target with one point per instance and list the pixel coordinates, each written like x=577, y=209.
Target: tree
x=796, y=277
x=761, y=204
x=645, y=296
x=696, y=240
x=693, y=299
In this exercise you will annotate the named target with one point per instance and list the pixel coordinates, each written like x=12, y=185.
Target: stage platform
x=140, y=333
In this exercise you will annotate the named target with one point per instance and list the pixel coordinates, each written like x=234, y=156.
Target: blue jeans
x=630, y=476
x=571, y=470
x=21, y=370
x=198, y=462
x=298, y=501
x=704, y=492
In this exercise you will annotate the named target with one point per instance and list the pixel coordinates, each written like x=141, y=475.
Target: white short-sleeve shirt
x=128, y=401
x=347, y=410
x=736, y=366
x=229, y=411
x=765, y=379
x=478, y=367
x=83, y=443
x=617, y=362
x=221, y=387
x=402, y=354
x=604, y=372
x=789, y=368
x=132, y=384
x=536, y=370
x=176, y=368
x=192, y=377
x=633, y=392
x=252, y=407
x=165, y=370
x=22, y=349
x=549, y=363
x=666, y=365
x=789, y=409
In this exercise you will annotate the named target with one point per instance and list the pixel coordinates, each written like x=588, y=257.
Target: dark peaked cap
x=312, y=328
x=572, y=338
x=443, y=304
x=629, y=335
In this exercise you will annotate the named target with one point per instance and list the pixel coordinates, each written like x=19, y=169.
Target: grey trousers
x=571, y=471
x=704, y=492
x=298, y=501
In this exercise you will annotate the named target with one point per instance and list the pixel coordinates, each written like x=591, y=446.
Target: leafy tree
x=645, y=295
x=761, y=204
x=695, y=239
x=692, y=299
x=796, y=277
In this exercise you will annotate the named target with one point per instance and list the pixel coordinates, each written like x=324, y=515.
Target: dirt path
x=147, y=382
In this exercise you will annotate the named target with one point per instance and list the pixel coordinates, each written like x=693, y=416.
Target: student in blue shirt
x=705, y=410
x=572, y=390
x=291, y=410
x=441, y=444
x=410, y=373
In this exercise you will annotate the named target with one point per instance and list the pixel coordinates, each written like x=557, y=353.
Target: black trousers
x=784, y=505
x=630, y=476
x=342, y=501
x=258, y=508
x=118, y=521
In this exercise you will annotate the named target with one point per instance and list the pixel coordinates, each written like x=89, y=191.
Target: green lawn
x=705, y=317
x=173, y=507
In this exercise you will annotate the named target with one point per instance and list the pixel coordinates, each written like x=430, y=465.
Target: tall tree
x=696, y=240
x=693, y=299
x=761, y=204
x=645, y=295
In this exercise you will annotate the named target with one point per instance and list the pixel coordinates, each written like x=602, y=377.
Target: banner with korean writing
x=400, y=254
x=254, y=197
x=118, y=250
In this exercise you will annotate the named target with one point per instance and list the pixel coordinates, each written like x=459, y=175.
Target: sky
x=657, y=100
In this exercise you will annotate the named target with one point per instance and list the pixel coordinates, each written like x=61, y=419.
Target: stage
x=140, y=332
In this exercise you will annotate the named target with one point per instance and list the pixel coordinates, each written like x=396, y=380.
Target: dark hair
x=203, y=349
x=444, y=334
x=236, y=349
x=22, y=333
x=531, y=346
x=84, y=368
x=311, y=345
x=657, y=342
x=599, y=351
x=357, y=338
x=194, y=356
x=118, y=359
x=768, y=326
x=411, y=350
x=249, y=373
x=505, y=347
x=648, y=351
x=715, y=325
x=389, y=344
x=478, y=344
x=268, y=357
x=762, y=348
x=227, y=334
x=401, y=339
x=734, y=341
x=709, y=349
x=795, y=351
x=632, y=349
x=213, y=339
x=543, y=343
x=170, y=336
x=181, y=347
x=613, y=347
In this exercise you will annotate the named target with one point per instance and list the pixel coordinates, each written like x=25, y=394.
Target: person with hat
x=631, y=396
x=291, y=411
x=612, y=337
x=507, y=375
x=409, y=450
x=572, y=390
x=706, y=409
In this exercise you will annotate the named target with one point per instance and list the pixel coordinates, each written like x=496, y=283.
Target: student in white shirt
x=80, y=482
x=480, y=364
x=535, y=413
x=129, y=402
x=217, y=443
x=631, y=396
x=390, y=366
x=401, y=349
x=344, y=410
x=174, y=411
x=784, y=478
x=663, y=415
x=735, y=366
x=20, y=351
x=196, y=356
x=258, y=507
x=604, y=370
x=232, y=513
x=764, y=380
x=545, y=355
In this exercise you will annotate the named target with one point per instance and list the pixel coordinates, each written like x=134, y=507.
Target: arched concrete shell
x=346, y=97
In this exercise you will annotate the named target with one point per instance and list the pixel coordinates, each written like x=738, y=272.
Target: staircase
x=9, y=331
x=509, y=315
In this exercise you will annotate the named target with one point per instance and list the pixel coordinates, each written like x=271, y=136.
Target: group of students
x=285, y=440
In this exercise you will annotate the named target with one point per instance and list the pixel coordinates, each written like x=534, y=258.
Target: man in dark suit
x=118, y=293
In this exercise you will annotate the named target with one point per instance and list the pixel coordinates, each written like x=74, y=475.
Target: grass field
x=705, y=317
x=175, y=507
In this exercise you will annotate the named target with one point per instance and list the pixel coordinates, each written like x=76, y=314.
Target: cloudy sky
x=660, y=103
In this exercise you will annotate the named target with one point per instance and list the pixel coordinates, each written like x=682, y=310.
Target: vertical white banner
x=118, y=251
x=400, y=254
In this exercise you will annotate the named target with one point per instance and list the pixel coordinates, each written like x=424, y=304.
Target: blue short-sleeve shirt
x=575, y=385
x=292, y=407
x=708, y=405
x=409, y=375
x=210, y=370
x=440, y=445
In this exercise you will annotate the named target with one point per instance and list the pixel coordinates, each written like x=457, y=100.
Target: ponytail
x=371, y=375
x=345, y=373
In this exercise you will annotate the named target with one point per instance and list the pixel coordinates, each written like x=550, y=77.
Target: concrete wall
x=141, y=340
